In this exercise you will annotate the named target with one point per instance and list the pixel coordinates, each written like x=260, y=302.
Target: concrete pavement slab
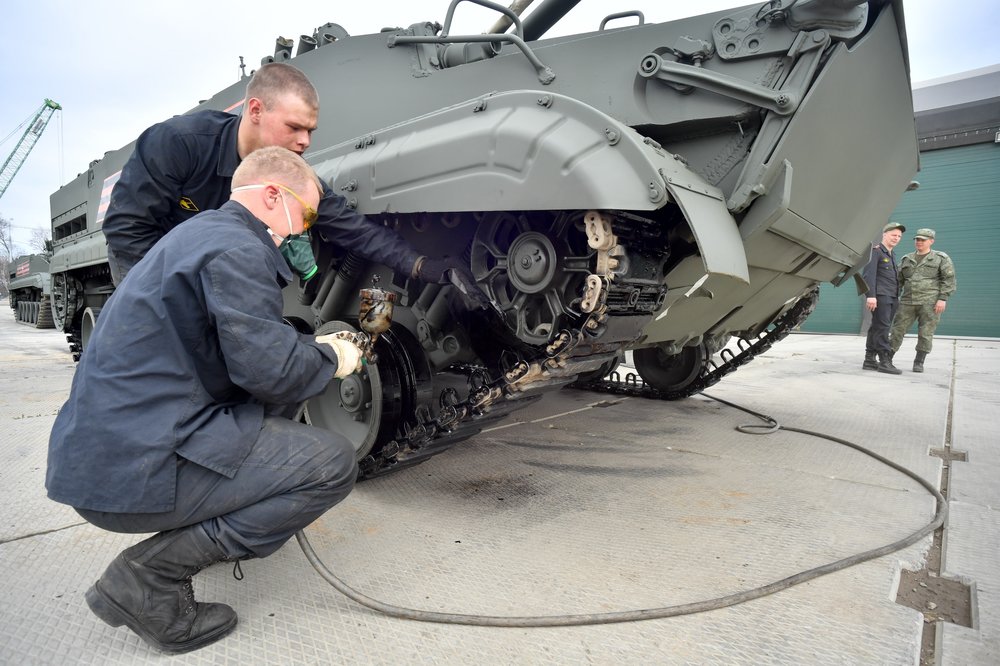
x=973, y=535
x=582, y=503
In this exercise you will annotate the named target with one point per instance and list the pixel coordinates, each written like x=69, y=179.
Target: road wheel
x=670, y=372
x=88, y=324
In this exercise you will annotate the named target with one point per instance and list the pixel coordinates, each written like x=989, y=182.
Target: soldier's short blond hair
x=277, y=165
x=275, y=80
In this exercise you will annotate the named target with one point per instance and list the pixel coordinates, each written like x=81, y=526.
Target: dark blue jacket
x=881, y=273
x=186, y=352
x=185, y=165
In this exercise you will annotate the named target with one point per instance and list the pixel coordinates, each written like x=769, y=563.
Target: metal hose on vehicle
x=771, y=426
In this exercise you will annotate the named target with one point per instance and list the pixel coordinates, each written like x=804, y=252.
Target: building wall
x=959, y=197
x=840, y=310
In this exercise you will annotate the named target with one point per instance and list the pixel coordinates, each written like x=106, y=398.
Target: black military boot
x=918, y=362
x=885, y=364
x=870, y=362
x=148, y=588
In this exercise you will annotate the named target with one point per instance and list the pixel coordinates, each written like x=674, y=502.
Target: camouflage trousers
x=927, y=321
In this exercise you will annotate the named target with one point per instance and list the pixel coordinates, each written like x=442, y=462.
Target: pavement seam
x=797, y=470
x=34, y=534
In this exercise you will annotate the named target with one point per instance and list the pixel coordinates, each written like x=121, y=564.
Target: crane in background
x=31, y=135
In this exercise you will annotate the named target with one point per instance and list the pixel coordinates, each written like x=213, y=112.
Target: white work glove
x=348, y=354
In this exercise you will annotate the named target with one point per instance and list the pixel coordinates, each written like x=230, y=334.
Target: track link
x=429, y=436
x=712, y=372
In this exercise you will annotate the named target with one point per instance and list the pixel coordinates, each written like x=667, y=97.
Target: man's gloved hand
x=348, y=354
x=450, y=271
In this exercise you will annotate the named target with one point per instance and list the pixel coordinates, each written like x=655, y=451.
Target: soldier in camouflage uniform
x=927, y=278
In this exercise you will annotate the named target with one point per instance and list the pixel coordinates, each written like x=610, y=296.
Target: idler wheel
x=353, y=406
x=368, y=407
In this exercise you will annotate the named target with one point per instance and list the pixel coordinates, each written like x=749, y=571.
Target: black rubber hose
x=940, y=516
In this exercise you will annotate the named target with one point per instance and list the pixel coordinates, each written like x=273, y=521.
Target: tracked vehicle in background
x=29, y=290
x=663, y=188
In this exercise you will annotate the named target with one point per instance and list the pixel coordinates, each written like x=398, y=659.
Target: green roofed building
x=958, y=130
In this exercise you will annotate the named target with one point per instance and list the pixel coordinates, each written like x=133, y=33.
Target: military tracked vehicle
x=661, y=188
x=29, y=290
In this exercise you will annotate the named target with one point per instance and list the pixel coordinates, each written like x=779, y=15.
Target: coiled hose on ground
x=770, y=426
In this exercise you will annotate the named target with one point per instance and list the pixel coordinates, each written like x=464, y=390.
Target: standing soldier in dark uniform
x=927, y=278
x=882, y=299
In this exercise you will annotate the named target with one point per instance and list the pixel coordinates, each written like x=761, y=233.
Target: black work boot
x=148, y=588
x=918, y=362
x=885, y=364
x=870, y=362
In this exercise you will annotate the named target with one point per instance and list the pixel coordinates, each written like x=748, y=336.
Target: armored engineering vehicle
x=664, y=188
x=29, y=290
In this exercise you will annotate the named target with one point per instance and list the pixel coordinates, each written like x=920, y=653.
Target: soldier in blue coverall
x=167, y=427
x=185, y=165
x=882, y=299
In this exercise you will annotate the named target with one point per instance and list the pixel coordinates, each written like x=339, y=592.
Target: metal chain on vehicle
x=633, y=385
x=484, y=390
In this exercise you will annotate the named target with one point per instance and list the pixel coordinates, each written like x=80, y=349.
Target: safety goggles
x=309, y=213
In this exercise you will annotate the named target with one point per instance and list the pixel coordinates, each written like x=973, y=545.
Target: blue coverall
x=185, y=165
x=166, y=422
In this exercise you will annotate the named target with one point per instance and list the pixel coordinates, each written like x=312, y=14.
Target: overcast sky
x=118, y=66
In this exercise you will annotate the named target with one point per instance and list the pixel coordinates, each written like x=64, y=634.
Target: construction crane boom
x=31, y=135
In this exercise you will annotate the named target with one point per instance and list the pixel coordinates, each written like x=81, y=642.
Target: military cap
x=893, y=225
x=924, y=233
